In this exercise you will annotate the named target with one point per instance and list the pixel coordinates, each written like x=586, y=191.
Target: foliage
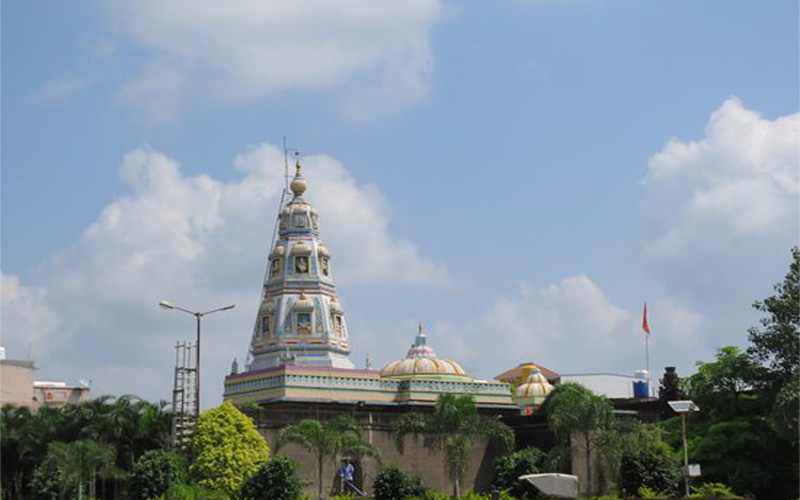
x=746, y=434
x=228, y=449
x=777, y=343
x=275, y=480
x=574, y=409
x=453, y=427
x=191, y=492
x=154, y=473
x=508, y=469
x=129, y=425
x=45, y=484
x=650, y=494
x=341, y=435
x=393, y=484
x=645, y=461
x=710, y=491
x=78, y=463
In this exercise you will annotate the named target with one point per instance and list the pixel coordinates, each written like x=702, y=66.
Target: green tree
x=228, y=449
x=78, y=462
x=575, y=410
x=275, y=480
x=327, y=440
x=393, y=484
x=777, y=343
x=508, y=468
x=154, y=473
x=453, y=427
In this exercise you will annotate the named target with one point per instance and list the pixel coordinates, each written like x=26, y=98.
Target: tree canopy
x=453, y=427
x=327, y=440
x=228, y=449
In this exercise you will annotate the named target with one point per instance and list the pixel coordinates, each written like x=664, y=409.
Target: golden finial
x=297, y=167
x=420, y=327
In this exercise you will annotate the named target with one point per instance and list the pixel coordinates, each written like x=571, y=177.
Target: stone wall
x=378, y=423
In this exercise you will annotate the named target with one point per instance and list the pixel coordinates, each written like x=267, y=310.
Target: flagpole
x=646, y=330
x=647, y=362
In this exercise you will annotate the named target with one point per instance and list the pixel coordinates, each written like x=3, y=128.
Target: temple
x=300, y=345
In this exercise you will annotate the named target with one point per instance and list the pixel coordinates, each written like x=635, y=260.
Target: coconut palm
x=575, y=410
x=341, y=435
x=453, y=427
x=78, y=463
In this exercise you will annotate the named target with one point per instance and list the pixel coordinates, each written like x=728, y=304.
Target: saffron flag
x=645, y=326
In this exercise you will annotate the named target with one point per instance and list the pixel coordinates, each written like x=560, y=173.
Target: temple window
x=303, y=323
x=300, y=220
x=301, y=264
x=337, y=322
x=324, y=265
x=265, y=322
x=275, y=267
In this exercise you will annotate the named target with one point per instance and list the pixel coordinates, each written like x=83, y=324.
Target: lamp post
x=198, y=316
x=682, y=408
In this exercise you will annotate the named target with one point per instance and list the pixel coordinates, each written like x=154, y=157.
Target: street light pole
x=198, y=315
x=685, y=456
x=684, y=407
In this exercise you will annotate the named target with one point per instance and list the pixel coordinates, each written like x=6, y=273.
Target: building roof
x=510, y=375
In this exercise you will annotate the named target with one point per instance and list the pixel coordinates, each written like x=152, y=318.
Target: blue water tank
x=640, y=389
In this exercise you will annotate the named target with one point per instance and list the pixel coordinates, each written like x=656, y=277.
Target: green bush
x=45, y=484
x=650, y=467
x=508, y=468
x=393, y=484
x=191, y=492
x=651, y=494
x=711, y=491
x=228, y=449
x=275, y=480
x=154, y=473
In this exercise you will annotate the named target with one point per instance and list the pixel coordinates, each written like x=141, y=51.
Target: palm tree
x=327, y=440
x=453, y=426
x=78, y=462
x=573, y=409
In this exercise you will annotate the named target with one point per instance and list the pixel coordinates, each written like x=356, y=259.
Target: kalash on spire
x=300, y=320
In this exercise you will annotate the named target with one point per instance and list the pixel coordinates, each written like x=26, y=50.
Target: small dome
x=335, y=306
x=323, y=250
x=267, y=306
x=278, y=251
x=536, y=386
x=421, y=362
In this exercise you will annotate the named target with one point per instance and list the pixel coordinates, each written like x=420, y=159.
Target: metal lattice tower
x=183, y=394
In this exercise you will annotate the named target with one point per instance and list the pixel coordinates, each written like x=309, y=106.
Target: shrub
x=154, y=473
x=508, y=468
x=275, y=480
x=650, y=494
x=393, y=484
x=710, y=491
x=649, y=467
x=191, y=492
x=45, y=483
x=228, y=449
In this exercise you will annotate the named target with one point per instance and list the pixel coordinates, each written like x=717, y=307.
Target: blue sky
x=518, y=175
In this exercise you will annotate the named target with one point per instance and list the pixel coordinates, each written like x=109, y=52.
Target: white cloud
x=62, y=89
x=247, y=48
x=201, y=243
x=723, y=209
x=563, y=326
x=27, y=320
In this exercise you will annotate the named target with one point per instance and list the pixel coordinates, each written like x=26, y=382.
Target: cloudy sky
x=518, y=175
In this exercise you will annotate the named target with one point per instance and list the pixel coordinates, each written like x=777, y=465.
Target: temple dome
x=536, y=386
x=421, y=362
